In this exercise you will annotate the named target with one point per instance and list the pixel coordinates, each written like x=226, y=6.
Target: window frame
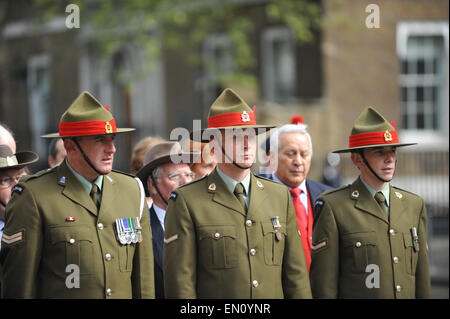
x=429, y=139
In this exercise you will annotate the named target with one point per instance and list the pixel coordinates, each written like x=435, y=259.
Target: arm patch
x=321, y=245
x=14, y=238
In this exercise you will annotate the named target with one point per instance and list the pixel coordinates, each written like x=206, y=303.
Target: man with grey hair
x=290, y=153
x=161, y=175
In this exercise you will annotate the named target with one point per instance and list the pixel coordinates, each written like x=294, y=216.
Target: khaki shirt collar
x=231, y=183
x=384, y=190
x=87, y=185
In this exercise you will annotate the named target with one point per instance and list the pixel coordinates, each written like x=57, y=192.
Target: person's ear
x=357, y=159
x=69, y=145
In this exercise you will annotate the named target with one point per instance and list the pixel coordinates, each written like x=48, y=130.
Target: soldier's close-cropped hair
x=288, y=128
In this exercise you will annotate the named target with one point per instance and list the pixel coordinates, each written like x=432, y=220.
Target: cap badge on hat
x=108, y=128
x=355, y=194
x=245, y=117
x=387, y=136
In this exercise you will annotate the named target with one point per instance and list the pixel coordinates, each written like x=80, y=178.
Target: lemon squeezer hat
x=371, y=129
x=86, y=116
x=229, y=111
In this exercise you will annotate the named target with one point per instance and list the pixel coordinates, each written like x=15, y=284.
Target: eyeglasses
x=176, y=177
x=9, y=181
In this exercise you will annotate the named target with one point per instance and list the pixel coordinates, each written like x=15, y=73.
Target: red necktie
x=300, y=210
x=302, y=221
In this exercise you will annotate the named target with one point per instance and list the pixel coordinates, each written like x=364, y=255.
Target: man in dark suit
x=160, y=176
x=290, y=154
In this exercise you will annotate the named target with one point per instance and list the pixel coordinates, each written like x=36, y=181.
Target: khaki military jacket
x=214, y=249
x=359, y=251
x=51, y=222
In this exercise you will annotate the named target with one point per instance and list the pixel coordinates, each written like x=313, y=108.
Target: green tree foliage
x=185, y=24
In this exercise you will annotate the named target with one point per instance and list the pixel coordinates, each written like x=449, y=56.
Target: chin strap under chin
x=3, y=204
x=361, y=152
x=157, y=190
x=85, y=157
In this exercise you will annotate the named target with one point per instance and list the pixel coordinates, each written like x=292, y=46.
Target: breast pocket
x=410, y=254
x=273, y=245
x=217, y=246
x=360, y=248
x=73, y=245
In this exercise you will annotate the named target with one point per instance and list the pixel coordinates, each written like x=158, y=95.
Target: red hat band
x=373, y=138
x=87, y=128
x=232, y=119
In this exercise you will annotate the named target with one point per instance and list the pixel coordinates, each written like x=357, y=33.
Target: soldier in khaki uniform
x=232, y=234
x=79, y=230
x=370, y=238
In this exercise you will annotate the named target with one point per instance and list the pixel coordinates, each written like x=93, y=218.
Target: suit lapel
x=364, y=201
x=73, y=189
x=222, y=194
x=158, y=236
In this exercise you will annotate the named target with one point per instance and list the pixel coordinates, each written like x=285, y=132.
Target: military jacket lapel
x=221, y=194
x=109, y=195
x=257, y=196
x=396, y=204
x=73, y=189
x=364, y=201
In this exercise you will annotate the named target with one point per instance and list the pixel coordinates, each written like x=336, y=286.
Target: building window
x=423, y=80
x=39, y=85
x=278, y=64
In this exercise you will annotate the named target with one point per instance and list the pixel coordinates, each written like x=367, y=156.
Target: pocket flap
x=66, y=233
x=359, y=239
x=267, y=228
x=216, y=232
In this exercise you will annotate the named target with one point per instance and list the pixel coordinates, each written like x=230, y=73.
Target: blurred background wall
x=160, y=65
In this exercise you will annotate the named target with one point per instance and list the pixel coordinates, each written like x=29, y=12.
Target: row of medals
x=129, y=230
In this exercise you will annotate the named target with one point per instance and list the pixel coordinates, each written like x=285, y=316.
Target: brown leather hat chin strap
x=85, y=157
x=157, y=190
x=3, y=204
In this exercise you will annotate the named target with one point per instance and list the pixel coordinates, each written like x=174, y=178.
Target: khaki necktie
x=94, y=194
x=381, y=200
x=239, y=192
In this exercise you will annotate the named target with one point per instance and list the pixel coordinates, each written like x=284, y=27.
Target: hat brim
x=198, y=136
x=23, y=158
x=346, y=150
x=145, y=171
x=119, y=131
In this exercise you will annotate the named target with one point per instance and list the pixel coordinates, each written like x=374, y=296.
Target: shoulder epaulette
x=193, y=182
x=334, y=190
x=123, y=173
x=403, y=190
x=26, y=178
x=267, y=179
